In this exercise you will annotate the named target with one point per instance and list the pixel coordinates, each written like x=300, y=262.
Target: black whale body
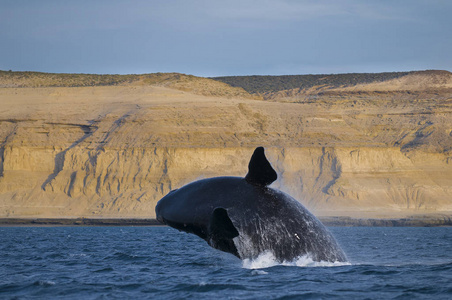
x=244, y=217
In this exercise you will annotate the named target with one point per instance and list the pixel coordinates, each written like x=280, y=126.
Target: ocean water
x=162, y=263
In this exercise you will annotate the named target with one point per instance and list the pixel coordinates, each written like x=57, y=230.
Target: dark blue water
x=162, y=263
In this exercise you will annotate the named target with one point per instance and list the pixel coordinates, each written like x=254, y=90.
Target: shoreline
x=414, y=221
x=41, y=222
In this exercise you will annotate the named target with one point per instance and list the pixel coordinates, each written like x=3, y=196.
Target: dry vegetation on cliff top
x=310, y=87
x=188, y=83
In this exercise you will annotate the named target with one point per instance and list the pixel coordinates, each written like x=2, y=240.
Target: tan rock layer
x=115, y=151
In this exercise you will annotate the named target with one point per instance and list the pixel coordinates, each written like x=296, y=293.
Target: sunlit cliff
x=114, y=149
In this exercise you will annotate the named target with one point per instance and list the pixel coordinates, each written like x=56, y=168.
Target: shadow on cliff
x=88, y=130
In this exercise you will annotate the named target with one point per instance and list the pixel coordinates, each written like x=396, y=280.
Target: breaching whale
x=245, y=217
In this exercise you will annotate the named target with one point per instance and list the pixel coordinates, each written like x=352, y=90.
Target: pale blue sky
x=214, y=38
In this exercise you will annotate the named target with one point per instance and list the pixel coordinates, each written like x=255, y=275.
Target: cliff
x=114, y=151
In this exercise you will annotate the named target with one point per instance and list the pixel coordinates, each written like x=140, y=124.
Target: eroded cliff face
x=115, y=151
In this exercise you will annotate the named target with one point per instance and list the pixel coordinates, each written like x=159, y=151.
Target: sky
x=225, y=37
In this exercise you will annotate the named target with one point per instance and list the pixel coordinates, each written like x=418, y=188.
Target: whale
x=247, y=218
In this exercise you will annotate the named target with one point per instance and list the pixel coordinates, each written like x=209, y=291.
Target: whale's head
x=166, y=201
x=191, y=207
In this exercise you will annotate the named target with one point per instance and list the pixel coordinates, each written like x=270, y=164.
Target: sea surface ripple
x=162, y=263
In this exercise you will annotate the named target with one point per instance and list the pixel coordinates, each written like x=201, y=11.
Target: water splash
x=276, y=241
x=267, y=260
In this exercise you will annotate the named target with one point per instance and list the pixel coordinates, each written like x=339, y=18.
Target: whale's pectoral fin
x=260, y=171
x=222, y=231
x=221, y=224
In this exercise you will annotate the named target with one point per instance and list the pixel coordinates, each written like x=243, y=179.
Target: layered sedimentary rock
x=115, y=151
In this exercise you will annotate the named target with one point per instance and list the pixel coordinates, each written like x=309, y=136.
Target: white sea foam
x=267, y=260
x=78, y=255
x=259, y=272
x=45, y=283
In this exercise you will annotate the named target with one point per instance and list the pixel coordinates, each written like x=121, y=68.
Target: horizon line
x=249, y=75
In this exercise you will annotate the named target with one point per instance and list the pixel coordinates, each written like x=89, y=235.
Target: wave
x=44, y=283
x=267, y=260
